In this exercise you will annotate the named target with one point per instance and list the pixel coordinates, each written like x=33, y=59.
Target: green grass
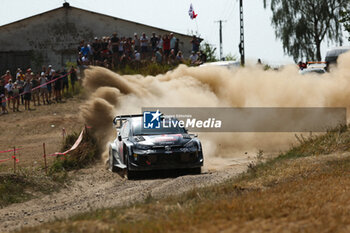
x=15, y=188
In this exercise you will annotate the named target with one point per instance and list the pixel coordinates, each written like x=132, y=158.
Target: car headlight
x=190, y=144
x=143, y=146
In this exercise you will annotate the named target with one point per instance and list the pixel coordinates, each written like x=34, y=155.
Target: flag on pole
x=191, y=12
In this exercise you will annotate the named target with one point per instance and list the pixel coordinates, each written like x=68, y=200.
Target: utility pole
x=220, y=35
x=241, y=44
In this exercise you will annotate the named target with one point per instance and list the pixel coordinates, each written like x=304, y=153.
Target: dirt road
x=96, y=187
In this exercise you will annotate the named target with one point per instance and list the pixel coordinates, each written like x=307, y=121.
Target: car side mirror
x=194, y=135
x=119, y=137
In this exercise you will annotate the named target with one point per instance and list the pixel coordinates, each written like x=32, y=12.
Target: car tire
x=131, y=175
x=196, y=171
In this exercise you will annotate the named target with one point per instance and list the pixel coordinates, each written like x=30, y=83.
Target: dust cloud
x=111, y=94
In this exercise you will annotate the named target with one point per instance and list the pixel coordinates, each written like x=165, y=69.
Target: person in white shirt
x=172, y=41
x=193, y=58
x=137, y=56
x=9, y=87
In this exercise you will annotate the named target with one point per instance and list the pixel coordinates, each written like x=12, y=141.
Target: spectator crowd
x=47, y=86
x=41, y=88
x=115, y=52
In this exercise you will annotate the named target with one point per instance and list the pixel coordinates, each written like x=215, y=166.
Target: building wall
x=53, y=37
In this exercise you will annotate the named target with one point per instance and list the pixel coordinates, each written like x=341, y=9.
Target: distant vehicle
x=228, y=64
x=170, y=147
x=312, y=70
x=333, y=54
x=314, y=67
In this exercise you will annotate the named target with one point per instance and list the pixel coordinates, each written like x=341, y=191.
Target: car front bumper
x=160, y=159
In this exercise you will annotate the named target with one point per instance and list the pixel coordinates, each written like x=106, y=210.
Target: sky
x=260, y=40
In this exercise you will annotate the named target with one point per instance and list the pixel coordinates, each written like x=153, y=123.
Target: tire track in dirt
x=95, y=188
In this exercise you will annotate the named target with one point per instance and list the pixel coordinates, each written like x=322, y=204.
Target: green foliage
x=230, y=57
x=69, y=65
x=209, y=50
x=15, y=188
x=303, y=24
x=345, y=20
x=11, y=190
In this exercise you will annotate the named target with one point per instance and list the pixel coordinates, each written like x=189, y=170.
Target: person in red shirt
x=6, y=77
x=166, y=45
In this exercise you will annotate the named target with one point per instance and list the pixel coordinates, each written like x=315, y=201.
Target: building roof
x=67, y=5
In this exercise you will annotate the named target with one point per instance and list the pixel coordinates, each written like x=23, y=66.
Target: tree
x=209, y=50
x=345, y=19
x=302, y=25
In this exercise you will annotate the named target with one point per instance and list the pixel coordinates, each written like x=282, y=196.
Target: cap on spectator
x=29, y=70
x=42, y=73
x=7, y=71
x=32, y=73
x=15, y=83
x=50, y=66
x=53, y=71
x=96, y=38
x=135, y=34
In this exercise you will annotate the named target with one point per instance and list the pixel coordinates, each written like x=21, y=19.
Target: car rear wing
x=118, y=120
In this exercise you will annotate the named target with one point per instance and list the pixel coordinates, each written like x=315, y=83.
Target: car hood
x=163, y=140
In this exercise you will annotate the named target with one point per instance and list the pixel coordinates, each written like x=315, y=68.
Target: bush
x=85, y=154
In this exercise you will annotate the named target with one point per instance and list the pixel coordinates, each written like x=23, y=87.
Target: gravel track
x=96, y=187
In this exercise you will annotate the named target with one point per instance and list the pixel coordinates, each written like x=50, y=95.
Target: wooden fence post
x=14, y=159
x=45, y=158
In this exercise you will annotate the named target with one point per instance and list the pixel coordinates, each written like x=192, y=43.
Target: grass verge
x=299, y=191
x=15, y=188
x=25, y=185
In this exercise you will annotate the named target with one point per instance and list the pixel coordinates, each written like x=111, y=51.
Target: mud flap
x=118, y=163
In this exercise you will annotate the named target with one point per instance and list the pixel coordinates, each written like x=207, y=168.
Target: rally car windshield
x=167, y=128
